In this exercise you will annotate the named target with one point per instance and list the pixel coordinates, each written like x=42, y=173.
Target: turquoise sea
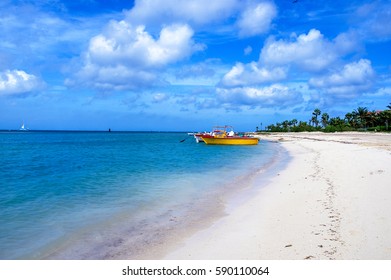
x=100, y=195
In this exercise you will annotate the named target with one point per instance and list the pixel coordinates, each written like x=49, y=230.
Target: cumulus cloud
x=250, y=17
x=276, y=95
x=347, y=42
x=256, y=19
x=196, y=12
x=310, y=52
x=299, y=56
x=127, y=57
x=125, y=44
x=350, y=81
x=128, y=54
x=251, y=74
x=14, y=82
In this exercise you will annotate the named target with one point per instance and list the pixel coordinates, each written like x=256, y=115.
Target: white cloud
x=256, y=19
x=122, y=43
x=160, y=97
x=385, y=91
x=299, y=57
x=310, y=52
x=276, y=95
x=373, y=20
x=126, y=57
x=249, y=18
x=198, y=12
x=14, y=82
x=114, y=78
x=202, y=69
x=352, y=80
x=248, y=50
x=44, y=34
x=347, y=42
x=251, y=74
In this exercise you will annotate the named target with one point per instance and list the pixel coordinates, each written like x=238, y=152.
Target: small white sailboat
x=23, y=128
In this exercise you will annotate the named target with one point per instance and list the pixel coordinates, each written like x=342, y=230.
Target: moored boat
x=222, y=137
x=198, y=136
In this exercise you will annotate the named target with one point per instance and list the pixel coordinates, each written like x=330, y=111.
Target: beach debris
x=309, y=257
x=289, y=245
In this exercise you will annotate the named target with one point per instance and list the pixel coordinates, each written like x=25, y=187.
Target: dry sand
x=332, y=201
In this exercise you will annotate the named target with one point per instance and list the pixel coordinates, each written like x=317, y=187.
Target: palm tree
x=362, y=113
x=349, y=117
x=385, y=118
x=373, y=117
x=314, y=119
x=325, y=119
x=337, y=122
x=355, y=119
x=285, y=125
x=303, y=126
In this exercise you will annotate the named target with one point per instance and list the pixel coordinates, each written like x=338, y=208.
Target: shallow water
x=91, y=195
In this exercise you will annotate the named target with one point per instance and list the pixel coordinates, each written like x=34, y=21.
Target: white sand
x=332, y=201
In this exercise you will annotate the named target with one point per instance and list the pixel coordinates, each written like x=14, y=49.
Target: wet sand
x=331, y=201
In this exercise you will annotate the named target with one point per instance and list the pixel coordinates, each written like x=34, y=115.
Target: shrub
x=330, y=128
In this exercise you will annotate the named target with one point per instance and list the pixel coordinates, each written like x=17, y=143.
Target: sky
x=187, y=65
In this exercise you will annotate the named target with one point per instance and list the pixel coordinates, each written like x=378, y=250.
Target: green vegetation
x=360, y=119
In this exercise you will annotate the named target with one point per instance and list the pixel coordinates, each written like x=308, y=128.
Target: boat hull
x=210, y=140
x=198, y=138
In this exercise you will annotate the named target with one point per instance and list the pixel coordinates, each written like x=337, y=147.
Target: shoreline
x=332, y=201
x=215, y=208
x=150, y=236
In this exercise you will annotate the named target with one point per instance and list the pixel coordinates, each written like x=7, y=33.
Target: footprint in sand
x=377, y=172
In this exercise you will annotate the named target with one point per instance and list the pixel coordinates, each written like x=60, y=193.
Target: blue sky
x=187, y=65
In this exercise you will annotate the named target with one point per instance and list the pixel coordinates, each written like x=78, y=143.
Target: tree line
x=360, y=119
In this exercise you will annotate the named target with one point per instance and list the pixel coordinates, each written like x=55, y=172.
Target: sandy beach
x=331, y=201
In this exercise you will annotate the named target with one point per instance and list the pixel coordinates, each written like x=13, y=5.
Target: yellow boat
x=221, y=137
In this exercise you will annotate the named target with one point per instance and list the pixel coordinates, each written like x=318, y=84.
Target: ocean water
x=97, y=195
